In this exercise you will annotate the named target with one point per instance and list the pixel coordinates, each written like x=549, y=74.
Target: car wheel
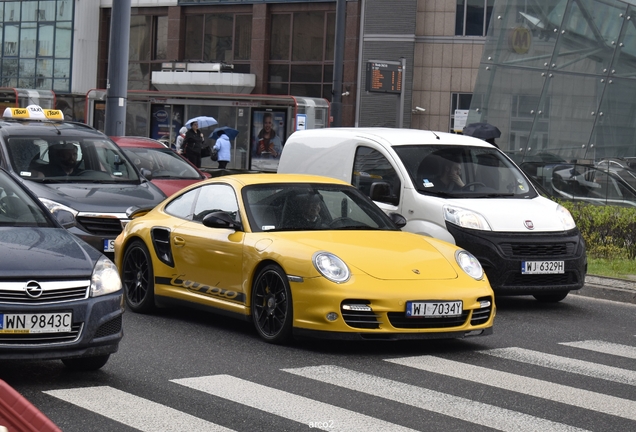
x=552, y=297
x=86, y=363
x=272, y=309
x=138, y=278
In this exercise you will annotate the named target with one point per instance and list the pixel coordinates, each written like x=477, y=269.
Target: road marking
x=593, y=370
x=134, y=411
x=529, y=386
x=604, y=347
x=315, y=414
x=453, y=406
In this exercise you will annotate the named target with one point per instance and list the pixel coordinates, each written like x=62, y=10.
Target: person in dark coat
x=193, y=144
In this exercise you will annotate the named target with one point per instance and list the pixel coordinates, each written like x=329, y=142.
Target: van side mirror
x=381, y=191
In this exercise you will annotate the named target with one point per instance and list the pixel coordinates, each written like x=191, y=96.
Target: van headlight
x=465, y=218
x=105, y=278
x=331, y=267
x=566, y=217
x=469, y=264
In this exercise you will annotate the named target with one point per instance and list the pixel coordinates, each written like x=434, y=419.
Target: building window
x=147, y=48
x=219, y=38
x=36, y=44
x=472, y=17
x=301, y=54
x=460, y=104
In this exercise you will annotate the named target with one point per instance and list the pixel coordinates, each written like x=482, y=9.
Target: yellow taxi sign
x=33, y=112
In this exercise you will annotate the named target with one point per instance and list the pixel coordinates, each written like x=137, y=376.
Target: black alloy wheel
x=272, y=309
x=138, y=278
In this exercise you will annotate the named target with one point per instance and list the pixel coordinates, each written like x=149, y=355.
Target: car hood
x=101, y=198
x=384, y=254
x=44, y=252
x=171, y=186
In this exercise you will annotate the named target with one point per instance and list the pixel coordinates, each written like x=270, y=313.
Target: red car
x=161, y=165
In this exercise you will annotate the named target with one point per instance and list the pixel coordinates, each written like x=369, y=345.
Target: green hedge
x=609, y=231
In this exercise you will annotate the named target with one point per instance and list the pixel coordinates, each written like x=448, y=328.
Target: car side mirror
x=221, y=219
x=65, y=218
x=381, y=191
x=398, y=219
x=146, y=173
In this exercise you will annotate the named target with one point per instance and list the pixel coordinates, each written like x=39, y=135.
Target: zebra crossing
x=146, y=415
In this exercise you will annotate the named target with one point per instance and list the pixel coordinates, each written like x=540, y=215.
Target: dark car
x=168, y=170
x=59, y=297
x=74, y=167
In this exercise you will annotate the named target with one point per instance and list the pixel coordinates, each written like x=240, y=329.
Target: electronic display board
x=384, y=77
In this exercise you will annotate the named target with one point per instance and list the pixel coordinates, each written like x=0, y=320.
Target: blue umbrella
x=230, y=132
x=203, y=121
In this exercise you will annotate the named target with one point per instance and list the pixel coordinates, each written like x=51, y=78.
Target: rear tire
x=86, y=363
x=551, y=297
x=138, y=278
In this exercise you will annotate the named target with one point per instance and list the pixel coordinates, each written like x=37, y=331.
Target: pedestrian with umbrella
x=193, y=144
x=222, y=146
x=484, y=131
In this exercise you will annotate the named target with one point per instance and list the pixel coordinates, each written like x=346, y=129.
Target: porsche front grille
x=358, y=314
x=400, y=320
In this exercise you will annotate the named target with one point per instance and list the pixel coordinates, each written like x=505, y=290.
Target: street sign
x=384, y=77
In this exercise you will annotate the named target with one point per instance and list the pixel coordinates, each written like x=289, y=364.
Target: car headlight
x=465, y=218
x=469, y=264
x=55, y=207
x=331, y=267
x=105, y=278
x=566, y=217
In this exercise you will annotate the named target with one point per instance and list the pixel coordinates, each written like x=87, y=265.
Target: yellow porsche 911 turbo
x=300, y=255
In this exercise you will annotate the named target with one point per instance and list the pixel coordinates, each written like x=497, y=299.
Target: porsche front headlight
x=105, y=278
x=465, y=218
x=469, y=264
x=331, y=267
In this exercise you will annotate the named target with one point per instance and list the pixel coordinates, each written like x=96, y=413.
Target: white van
x=459, y=189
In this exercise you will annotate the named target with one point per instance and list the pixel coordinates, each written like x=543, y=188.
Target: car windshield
x=463, y=172
x=162, y=163
x=299, y=207
x=17, y=208
x=76, y=159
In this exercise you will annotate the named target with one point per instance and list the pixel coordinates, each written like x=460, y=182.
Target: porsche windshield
x=463, y=172
x=296, y=207
x=74, y=159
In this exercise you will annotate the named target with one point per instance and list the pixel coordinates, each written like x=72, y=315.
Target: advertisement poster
x=268, y=139
x=166, y=122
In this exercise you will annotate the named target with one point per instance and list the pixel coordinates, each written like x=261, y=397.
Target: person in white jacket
x=180, y=138
x=223, y=146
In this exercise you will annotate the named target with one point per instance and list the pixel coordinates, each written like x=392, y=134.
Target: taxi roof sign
x=33, y=112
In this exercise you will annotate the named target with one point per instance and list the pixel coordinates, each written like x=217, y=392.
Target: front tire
x=271, y=305
x=86, y=363
x=138, y=278
x=552, y=297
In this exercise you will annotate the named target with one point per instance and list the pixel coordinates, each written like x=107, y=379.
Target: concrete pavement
x=620, y=290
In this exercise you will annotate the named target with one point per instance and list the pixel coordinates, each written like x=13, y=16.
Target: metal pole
x=117, y=81
x=400, y=110
x=336, y=104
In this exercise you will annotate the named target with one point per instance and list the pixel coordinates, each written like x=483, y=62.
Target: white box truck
x=459, y=189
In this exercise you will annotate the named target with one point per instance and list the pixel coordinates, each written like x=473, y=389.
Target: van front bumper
x=502, y=254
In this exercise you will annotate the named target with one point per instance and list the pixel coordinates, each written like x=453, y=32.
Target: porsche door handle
x=178, y=241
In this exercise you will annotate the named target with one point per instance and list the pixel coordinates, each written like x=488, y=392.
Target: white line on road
x=453, y=406
x=604, y=347
x=593, y=370
x=530, y=386
x=134, y=411
x=315, y=414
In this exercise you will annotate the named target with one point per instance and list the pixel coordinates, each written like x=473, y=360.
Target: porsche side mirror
x=398, y=219
x=221, y=219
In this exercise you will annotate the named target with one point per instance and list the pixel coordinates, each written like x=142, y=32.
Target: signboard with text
x=384, y=77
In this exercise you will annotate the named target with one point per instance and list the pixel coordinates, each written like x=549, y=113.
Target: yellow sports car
x=300, y=255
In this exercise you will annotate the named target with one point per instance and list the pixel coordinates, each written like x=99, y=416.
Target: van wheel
x=552, y=297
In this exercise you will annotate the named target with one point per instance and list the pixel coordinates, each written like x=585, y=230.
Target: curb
x=606, y=288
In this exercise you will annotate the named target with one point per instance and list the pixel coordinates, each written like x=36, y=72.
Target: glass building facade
x=558, y=78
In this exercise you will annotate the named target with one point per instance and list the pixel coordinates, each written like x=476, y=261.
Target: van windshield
x=463, y=172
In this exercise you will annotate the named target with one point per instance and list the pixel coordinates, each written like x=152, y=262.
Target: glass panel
x=12, y=11
x=28, y=40
x=62, y=69
x=9, y=82
x=331, y=37
x=279, y=41
x=309, y=90
x=11, y=33
x=326, y=92
x=161, y=43
x=490, y=5
x=64, y=10
x=242, y=68
x=139, y=45
x=45, y=40
x=10, y=67
x=45, y=68
x=136, y=118
x=328, y=77
x=308, y=36
x=194, y=37
x=63, y=36
x=475, y=18
x=459, y=18
x=43, y=83
x=625, y=60
x=138, y=76
x=29, y=11
x=278, y=73
x=1, y=30
x=306, y=73
x=278, y=88
x=46, y=11
x=243, y=37
x=217, y=43
x=27, y=74
x=62, y=85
